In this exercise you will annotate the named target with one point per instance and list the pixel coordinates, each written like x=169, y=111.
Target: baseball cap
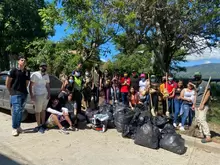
x=152, y=76
x=142, y=75
x=197, y=74
x=43, y=64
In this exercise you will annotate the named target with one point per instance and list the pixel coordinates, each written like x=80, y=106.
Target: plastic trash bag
x=148, y=136
x=168, y=128
x=90, y=114
x=108, y=109
x=122, y=118
x=119, y=107
x=160, y=121
x=173, y=142
x=129, y=131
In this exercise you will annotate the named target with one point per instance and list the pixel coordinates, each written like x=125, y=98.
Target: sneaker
x=63, y=131
x=36, y=129
x=174, y=124
x=72, y=129
x=14, y=132
x=180, y=125
x=182, y=128
x=41, y=130
x=20, y=130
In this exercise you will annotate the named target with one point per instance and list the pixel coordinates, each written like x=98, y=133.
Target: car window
x=3, y=79
x=55, y=82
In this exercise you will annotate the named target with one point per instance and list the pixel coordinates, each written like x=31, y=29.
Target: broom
x=151, y=102
x=167, y=105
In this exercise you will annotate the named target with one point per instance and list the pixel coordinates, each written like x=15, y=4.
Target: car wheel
x=24, y=115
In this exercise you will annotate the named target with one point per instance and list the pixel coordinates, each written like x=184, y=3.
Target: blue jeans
x=124, y=97
x=18, y=103
x=170, y=106
x=187, y=112
x=115, y=93
x=177, y=107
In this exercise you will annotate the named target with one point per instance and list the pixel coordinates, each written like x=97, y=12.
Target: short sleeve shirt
x=19, y=79
x=40, y=81
x=200, y=89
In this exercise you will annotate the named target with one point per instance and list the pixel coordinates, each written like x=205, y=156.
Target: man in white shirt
x=40, y=94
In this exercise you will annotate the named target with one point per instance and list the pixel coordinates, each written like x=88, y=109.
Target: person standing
x=96, y=83
x=163, y=94
x=115, y=89
x=177, y=102
x=154, y=92
x=77, y=89
x=135, y=81
x=106, y=86
x=143, y=87
x=39, y=89
x=16, y=83
x=202, y=107
x=125, y=85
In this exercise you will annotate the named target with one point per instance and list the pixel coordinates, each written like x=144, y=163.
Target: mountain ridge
x=207, y=70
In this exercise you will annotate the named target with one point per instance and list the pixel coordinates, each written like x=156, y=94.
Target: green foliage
x=171, y=28
x=20, y=24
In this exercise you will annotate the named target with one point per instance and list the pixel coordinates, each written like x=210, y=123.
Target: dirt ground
x=87, y=147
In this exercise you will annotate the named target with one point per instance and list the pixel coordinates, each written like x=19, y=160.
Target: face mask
x=106, y=73
x=87, y=73
x=153, y=80
x=43, y=70
x=77, y=74
x=71, y=81
x=170, y=78
x=125, y=75
x=143, y=79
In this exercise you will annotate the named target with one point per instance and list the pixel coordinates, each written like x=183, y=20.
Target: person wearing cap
x=135, y=80
x=202, y=107
x=143, y=86
x=106, y=83
x=125, y=85
x=39, y=89
x=16, y=83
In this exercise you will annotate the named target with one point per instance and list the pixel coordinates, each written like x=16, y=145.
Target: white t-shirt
x=40, y=81
x=142, y=85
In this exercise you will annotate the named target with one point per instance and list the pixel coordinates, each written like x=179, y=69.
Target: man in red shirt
x=125, y=85
x=170, y=86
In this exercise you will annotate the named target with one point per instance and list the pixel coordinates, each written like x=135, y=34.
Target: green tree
x=89, y=23
x=20, y=24
x=172, y=29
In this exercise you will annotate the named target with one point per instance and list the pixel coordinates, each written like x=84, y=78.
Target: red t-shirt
x=125, y=88
x=171, y=86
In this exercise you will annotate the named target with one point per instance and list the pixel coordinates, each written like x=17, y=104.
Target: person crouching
x=58, y=114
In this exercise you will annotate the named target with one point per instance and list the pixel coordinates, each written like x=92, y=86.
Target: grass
x=214, y=114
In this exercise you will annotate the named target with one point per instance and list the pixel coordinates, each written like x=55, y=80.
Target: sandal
x=205, y=140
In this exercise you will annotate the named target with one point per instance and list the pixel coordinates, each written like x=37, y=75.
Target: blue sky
x=207, y=57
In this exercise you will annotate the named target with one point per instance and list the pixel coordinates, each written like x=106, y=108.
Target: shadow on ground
x=4, y=160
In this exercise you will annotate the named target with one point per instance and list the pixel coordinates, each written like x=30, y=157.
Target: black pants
x=155, y=100
x=78, y=98
x=96, y=94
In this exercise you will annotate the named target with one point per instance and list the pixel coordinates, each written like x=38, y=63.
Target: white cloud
x=208, y=53
x=103, y=60
x=207, y=62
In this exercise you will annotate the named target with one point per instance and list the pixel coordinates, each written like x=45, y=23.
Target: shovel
x=167, y=112
x=151, y=102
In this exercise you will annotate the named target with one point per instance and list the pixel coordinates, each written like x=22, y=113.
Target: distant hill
x=207, y=70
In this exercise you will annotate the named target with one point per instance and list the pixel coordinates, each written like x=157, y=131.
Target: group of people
x=83, y=90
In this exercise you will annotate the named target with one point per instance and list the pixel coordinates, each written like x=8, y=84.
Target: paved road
x=87, y=147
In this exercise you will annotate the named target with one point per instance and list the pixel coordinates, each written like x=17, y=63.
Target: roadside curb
x=208, y=147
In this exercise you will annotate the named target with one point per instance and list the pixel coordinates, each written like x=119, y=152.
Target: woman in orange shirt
x=133, y=98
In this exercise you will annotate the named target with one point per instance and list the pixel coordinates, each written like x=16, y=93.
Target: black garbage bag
x=129, y=131
x=90, y=114
x=168, y=128
x=160, y=121
x=119, y=107
x=106, y=108
x=144, y=117
x=148, y=136
x=173, y=142
x=122, y=118
x=141, y=107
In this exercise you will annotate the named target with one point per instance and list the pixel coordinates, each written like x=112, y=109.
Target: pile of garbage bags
x=139, y=125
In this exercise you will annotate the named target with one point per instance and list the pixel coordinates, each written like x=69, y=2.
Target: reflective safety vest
x=77, y=83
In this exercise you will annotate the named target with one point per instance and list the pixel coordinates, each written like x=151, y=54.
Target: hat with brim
x=43, y=64
x=142, y=75
x=197, y=74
